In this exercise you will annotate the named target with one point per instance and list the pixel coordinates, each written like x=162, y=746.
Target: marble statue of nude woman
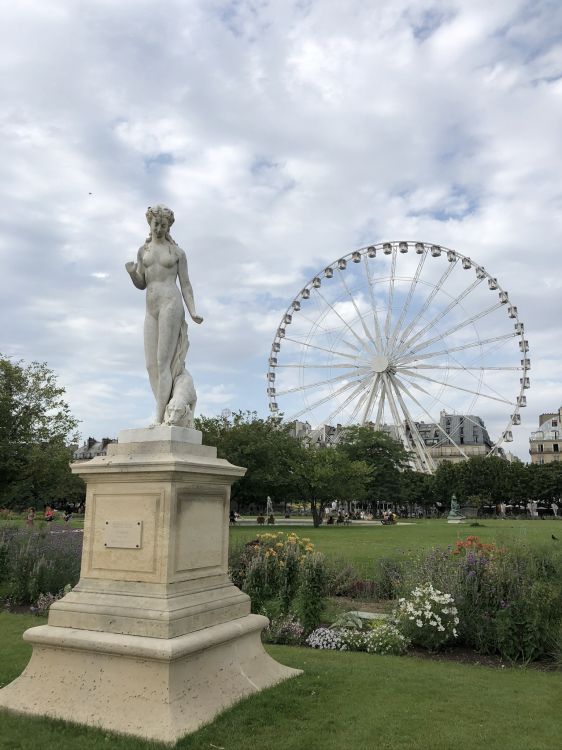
x=159, y=263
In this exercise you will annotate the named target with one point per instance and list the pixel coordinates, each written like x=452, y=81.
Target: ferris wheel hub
x=380, y=363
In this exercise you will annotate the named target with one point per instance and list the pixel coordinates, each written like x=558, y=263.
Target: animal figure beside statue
x=181, y=407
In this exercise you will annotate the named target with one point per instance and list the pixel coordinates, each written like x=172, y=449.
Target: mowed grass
x=76, y=522
x=360, y=545
x=343, y=700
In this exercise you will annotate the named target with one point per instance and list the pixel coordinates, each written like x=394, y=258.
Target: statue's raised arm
x=159, y=263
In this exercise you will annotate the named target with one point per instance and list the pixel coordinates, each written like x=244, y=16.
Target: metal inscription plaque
x=123, y=534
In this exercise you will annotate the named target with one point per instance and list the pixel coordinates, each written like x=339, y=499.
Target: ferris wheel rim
x=392, y=329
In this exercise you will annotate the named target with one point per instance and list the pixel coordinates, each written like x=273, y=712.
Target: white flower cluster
x=385, y=638
x=428, y=609
x=325, y=638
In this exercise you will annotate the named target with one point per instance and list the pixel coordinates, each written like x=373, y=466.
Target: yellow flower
x=279, y=544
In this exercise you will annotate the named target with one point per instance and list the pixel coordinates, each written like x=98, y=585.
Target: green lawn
x=360, y=545
x=76, y=522
x=343, y=700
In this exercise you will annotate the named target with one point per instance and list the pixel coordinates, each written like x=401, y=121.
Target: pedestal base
x=155, y=688
x=155, y=640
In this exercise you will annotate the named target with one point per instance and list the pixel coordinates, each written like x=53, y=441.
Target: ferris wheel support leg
x=425, y=455
x=372, y=395
x=399, y=424
x=380, y=410
x=425, y=411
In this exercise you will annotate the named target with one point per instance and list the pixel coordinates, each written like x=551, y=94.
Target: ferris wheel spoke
x=363, y=386
x=454, y=328
x=346, y=355
x=345, y=387
x=408, y=301
x=358, y=406
x=390, y=298
x=471, y=370
x=359, y=315
x=429, y=299
x=448, y=408
x=442, y=314
x=459, y=367
x=331, y=366
x=318, y=383
x=461, y=347
x=408, y=393
x=346, y=324
x=378, y=334
x=409, y=373
x=427, y=463
x=314, y=323
x=329, y=332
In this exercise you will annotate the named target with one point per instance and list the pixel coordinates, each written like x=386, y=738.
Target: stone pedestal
x=154, y=640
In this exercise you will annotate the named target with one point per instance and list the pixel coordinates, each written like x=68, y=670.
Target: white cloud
x=283, y=134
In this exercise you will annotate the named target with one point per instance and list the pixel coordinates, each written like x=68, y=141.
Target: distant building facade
x=326, y=434
x=92, y=448
x=445, y=439
x=545, y=444
x=455, y=433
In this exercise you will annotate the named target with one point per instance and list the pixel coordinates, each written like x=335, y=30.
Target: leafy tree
x=264, y=447
x=386, y=457
x=326, y=474
x=35, y=428
x=519, y=477
x=416, y=488
x=545, y=481
x=446, y=481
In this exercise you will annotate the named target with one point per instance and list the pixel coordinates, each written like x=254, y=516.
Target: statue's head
x=160, y=211
x=160, y=218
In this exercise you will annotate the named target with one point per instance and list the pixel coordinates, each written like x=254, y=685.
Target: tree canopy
x=36, y=427
x=280, y=466
x=386, y=457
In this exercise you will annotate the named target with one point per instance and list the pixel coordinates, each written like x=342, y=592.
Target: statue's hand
x=130, y=266
x=197, y=318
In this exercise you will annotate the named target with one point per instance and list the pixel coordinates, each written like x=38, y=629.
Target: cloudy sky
x=283, y=134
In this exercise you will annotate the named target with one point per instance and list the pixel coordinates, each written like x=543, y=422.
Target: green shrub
x=312, y=591
x=388, y=577
x=509, y=601
x=342, y=579
x=40, y=563
x=286, y=630
x=280, y=572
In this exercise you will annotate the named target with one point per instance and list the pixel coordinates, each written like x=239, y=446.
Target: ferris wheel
x=395, y=334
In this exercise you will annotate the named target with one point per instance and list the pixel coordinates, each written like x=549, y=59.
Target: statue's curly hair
x=160, y=210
